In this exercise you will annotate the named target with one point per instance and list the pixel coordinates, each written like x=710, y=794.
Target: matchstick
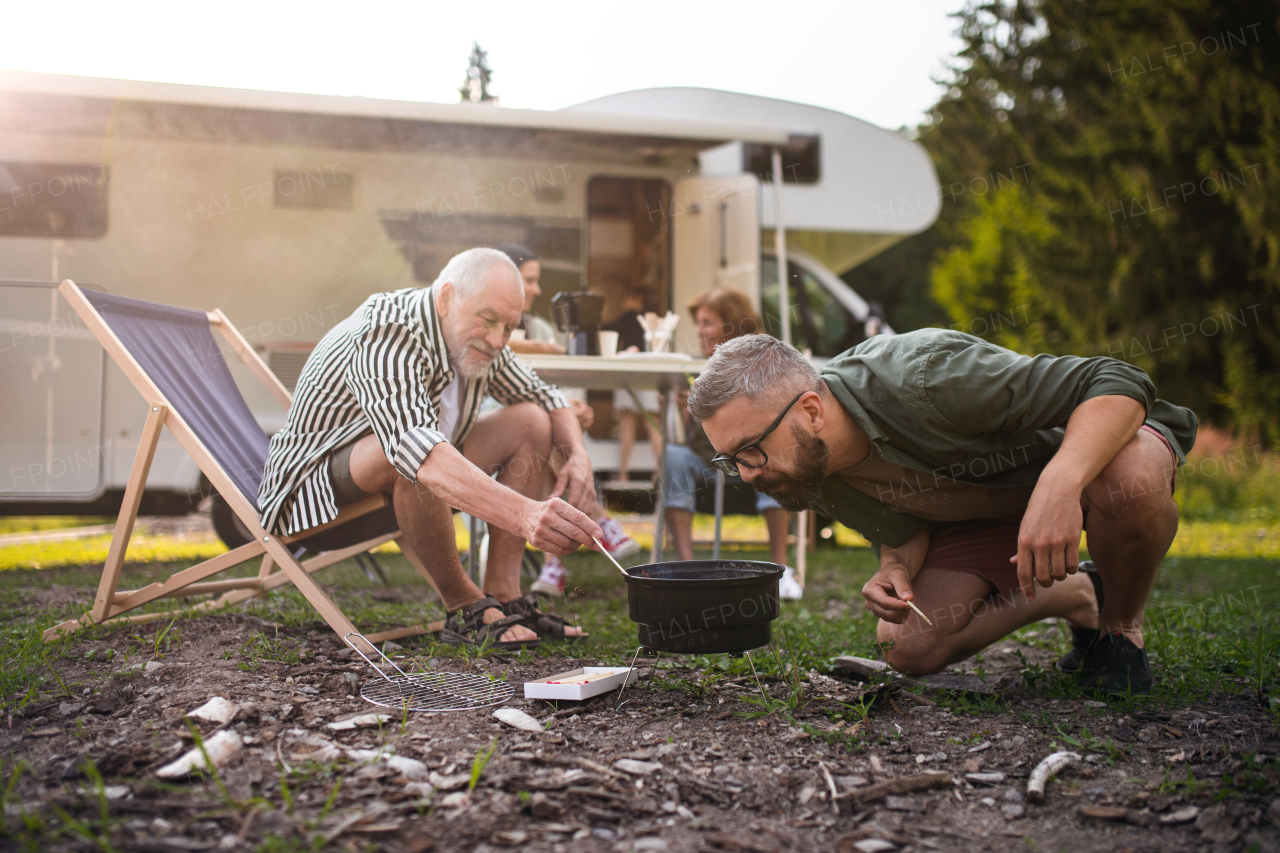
x=917, y=610
x=585, y=678
x=610, y=556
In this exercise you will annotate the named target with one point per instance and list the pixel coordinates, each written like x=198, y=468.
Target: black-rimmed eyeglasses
x=750, y=455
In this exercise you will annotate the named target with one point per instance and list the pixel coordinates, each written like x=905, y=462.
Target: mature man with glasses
x=973, y=471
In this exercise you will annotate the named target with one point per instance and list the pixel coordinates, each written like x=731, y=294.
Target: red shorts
x=983, y=547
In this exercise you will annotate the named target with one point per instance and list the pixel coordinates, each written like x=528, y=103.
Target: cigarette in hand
x=917, y=610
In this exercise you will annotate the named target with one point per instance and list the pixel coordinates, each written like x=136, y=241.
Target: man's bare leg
x=779, y=522
x=1130, y=520
x=967, y=617
x=426, y=525
x=515, y=443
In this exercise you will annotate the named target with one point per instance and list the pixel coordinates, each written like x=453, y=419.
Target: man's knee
x=534, y=423
x=916, y=661
x=1135, y=485
x=909, y=652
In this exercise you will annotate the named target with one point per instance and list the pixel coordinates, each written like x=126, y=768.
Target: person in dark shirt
x=972, y=470
x=630, y=419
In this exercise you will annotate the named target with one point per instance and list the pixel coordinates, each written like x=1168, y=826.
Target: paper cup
x=608, y=344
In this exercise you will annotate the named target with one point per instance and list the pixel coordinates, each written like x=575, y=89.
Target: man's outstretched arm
x=1049, y=539
x=550, y=525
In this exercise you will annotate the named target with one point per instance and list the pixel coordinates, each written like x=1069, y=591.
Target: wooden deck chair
x=171, y=357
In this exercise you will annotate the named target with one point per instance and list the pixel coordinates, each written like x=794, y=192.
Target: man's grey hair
x=469, y=270
x=758, y=367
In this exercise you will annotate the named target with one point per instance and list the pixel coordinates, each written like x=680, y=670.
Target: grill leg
x=634, y=658
x=473, y=564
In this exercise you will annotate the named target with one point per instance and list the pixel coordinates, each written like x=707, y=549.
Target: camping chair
x=171, y=357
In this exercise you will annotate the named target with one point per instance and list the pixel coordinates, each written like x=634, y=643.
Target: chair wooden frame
x=111, y=603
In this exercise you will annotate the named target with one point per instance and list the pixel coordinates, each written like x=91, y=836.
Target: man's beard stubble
x=802, y=489
x=470, y=365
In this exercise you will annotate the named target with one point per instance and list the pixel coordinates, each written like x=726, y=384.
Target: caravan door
x=715, y=226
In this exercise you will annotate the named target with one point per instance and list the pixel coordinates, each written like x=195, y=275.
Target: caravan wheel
x=230, y=529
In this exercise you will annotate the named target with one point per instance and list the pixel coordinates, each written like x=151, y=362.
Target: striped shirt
x=381, y=371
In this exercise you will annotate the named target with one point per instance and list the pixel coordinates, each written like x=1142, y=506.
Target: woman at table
x=632, y=420
x=718, y=315
x=541, y=338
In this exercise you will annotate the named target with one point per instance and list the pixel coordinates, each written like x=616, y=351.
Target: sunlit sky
x=872, y=59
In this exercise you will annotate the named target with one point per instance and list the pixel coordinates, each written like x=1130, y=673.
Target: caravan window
x=52, y=200
x=818, y=321
x=801, y=160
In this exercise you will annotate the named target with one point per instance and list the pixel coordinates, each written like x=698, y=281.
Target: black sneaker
x=1114, y=664
x=1083, y=638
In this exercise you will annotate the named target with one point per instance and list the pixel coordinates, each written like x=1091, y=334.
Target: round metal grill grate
x=437, y=691
x=427, y=691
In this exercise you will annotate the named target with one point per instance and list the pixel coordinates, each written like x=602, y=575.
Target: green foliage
x=480, y=762
x=1109, y=181
x=991, y=282
x=695, y=686
x=258, y=647
x=1229, y=479
x=1256, y=777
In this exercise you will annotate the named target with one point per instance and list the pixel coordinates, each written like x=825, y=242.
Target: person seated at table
x=632, y=407
x=719, y=315
x=973, y=471
x=540, y=337
x=388, y=402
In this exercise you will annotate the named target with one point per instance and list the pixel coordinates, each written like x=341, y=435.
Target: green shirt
x=953, y=405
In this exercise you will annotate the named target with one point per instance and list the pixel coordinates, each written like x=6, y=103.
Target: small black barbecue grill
x=704, y=606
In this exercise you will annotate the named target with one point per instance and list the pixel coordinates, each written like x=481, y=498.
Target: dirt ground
x=669, y=770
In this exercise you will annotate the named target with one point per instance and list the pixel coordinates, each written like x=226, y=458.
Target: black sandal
x=546, y=625
x=466, y=626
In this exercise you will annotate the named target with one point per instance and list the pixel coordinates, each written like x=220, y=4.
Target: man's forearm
x=566, y=432
x=1096, y=431
x=909, y=556
x=462, y=485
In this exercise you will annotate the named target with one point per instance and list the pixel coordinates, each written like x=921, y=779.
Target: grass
x=1211, y=625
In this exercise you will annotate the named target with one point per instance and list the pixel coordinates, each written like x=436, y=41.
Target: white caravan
x=288, y=210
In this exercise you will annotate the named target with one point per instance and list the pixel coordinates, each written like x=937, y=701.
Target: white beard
x=471, y=362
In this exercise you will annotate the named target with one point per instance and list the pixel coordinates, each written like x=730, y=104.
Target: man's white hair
x=469, y=271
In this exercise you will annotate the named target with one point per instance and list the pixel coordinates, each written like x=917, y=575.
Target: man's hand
x=557, y=528
x=887, y=594
x=1049, y=538
x=585, y=414
x=575, y=482
x=889, y=589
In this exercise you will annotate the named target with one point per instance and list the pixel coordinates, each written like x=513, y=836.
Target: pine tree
x=476, y=87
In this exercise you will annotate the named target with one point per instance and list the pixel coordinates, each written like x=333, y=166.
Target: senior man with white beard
x=389, y=402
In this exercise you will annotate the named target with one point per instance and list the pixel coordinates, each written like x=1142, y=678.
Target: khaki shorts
x=345, y=490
